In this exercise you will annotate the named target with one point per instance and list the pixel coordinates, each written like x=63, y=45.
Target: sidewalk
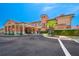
x=61, y=37
x=46, y=35
x=69, y=38
x=74, y=38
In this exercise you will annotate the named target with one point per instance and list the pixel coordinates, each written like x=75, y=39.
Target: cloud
x=74, y=9
x=47, y=8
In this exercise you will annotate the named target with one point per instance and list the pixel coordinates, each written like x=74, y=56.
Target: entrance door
x=28, y=30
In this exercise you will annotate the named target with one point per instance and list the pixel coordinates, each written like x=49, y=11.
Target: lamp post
x=50, y=31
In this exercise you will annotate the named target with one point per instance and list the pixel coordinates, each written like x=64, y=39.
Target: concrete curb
x=45, y=35
x=76, y=41
x=61, y=37
x=69, y=38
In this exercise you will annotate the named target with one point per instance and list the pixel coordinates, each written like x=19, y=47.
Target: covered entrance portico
x=31, y=30
x=14, y=28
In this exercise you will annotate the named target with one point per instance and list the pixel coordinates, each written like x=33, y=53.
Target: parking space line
x=64, y=48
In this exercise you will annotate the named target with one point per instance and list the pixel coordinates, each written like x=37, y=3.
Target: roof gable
x=10, y=22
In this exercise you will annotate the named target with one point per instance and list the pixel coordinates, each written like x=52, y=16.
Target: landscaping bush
x=43, y=32
x=66, y=32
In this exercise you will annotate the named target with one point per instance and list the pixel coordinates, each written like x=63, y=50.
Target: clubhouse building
x=16, y=28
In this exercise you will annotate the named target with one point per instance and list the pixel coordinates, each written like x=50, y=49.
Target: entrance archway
x=28, y=30
x=32, y=30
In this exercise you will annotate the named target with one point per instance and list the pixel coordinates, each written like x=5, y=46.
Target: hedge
x=63, y=32
x=66, y=32
x=43, y=32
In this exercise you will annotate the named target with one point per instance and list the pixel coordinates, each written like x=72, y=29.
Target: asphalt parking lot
x=34, y=45
x=72, y=47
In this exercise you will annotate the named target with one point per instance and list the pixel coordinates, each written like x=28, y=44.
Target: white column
x=15, y=29
x=18, y=28
x=10, y=29
x=23, y=29
x=7, y=30
x=4, y=30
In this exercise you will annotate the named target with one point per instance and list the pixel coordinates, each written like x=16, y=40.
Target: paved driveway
x=30, y=45
x=35, y=45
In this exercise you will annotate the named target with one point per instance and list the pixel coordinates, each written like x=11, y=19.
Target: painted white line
x=61, y=44
x=63, y=48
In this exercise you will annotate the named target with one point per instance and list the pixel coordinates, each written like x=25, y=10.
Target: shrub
x=43, y=32
x=67, y=32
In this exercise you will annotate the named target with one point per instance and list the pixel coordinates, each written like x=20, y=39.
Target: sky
x=30, y=12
